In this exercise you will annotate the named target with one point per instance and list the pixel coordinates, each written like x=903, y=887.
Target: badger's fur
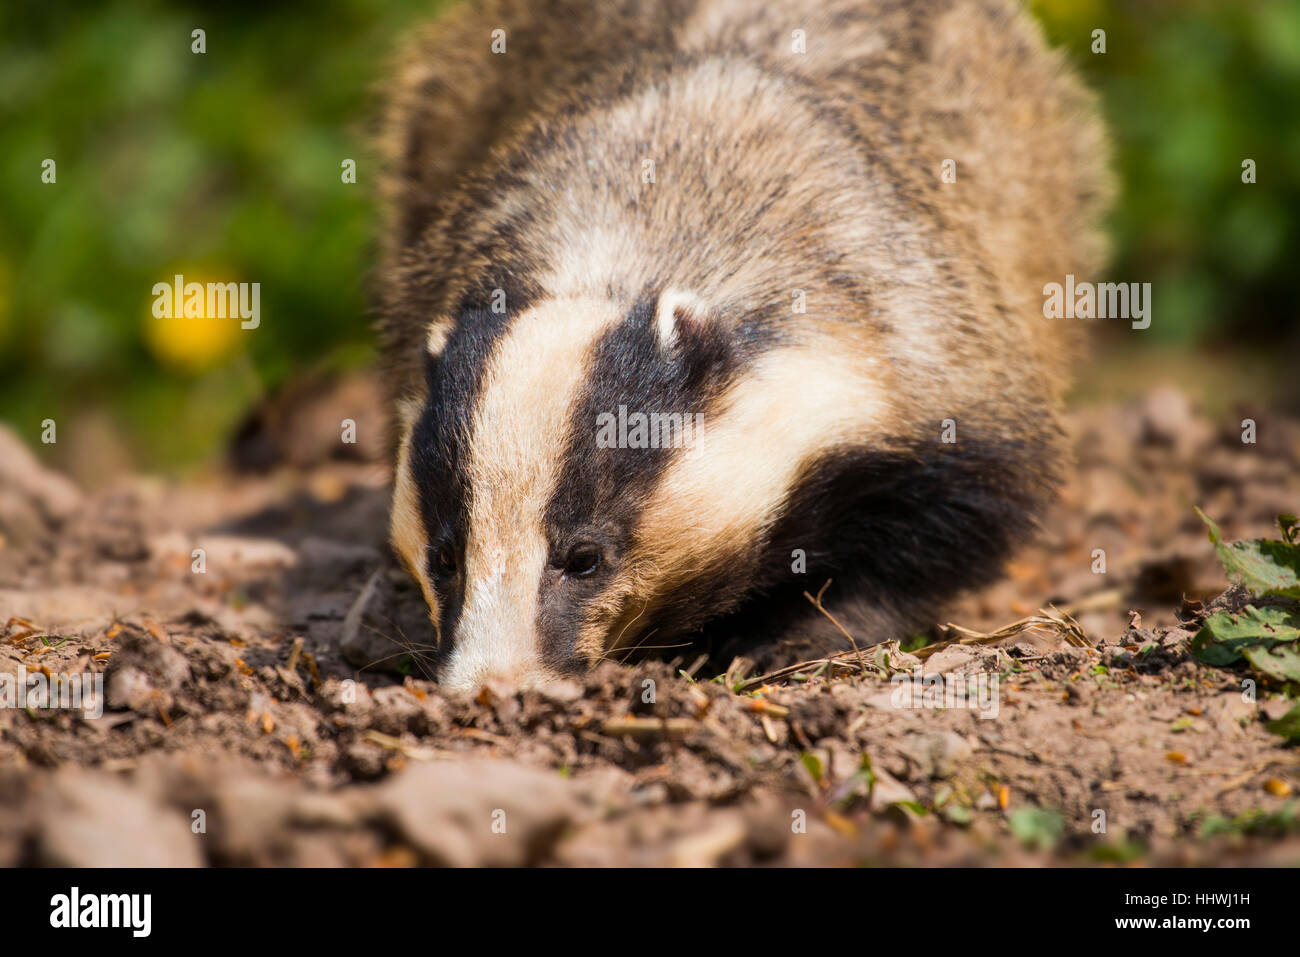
x=735, y=211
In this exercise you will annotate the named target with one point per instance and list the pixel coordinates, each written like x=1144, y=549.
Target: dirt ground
x=237, y=731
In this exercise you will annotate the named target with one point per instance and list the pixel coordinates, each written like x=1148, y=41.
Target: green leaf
x=1225, y=637
x=918, y=809
x=1125, y=851
x=866, y=772
x=1264, y=567
x=1288, y=725
x=1289, y=526
x=956, y=814
x=1281, y=663
x=1036, y=827
x=1277, y=823
x=814, y=766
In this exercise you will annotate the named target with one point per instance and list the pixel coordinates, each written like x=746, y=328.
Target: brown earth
x=237, y=732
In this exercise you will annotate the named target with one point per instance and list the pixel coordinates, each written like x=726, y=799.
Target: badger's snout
x=495, y=637
x=469, y=674
x=520, y=621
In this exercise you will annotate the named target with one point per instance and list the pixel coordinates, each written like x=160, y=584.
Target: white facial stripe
x=406, y=528
x=718, y=496
x=518, y=435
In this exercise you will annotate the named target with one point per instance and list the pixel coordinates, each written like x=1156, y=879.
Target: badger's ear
x=439, y=333
x=678, y=316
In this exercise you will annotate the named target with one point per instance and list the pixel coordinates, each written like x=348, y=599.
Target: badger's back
x=881, y=96
x=867, y=336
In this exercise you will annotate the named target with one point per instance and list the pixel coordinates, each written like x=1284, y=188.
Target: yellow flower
x=189, y=343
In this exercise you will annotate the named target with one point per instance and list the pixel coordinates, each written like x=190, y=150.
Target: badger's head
x=584, y=477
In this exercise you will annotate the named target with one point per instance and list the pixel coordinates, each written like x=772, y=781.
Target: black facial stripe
x=603, y=488
x=439, y=442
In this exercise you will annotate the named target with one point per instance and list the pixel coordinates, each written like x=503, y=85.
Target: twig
x=1050, y=618
x=406, y=750
x=817, y=603
x=647, y=727
x=1240, y=779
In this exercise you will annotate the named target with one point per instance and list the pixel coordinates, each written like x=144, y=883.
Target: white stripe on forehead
x=517, y=437
x=716, y=499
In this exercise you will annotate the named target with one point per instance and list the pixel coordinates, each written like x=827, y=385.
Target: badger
x=692, y=307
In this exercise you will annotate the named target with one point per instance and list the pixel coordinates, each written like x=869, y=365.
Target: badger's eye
x=443, y=560
x=582, y=561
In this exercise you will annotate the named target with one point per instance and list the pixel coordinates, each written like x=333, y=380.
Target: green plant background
x=227, y=165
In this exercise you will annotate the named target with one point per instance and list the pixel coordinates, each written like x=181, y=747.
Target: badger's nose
x=505, y=677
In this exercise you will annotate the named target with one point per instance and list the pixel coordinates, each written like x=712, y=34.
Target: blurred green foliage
x=226, y=166
x=1191, y=89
